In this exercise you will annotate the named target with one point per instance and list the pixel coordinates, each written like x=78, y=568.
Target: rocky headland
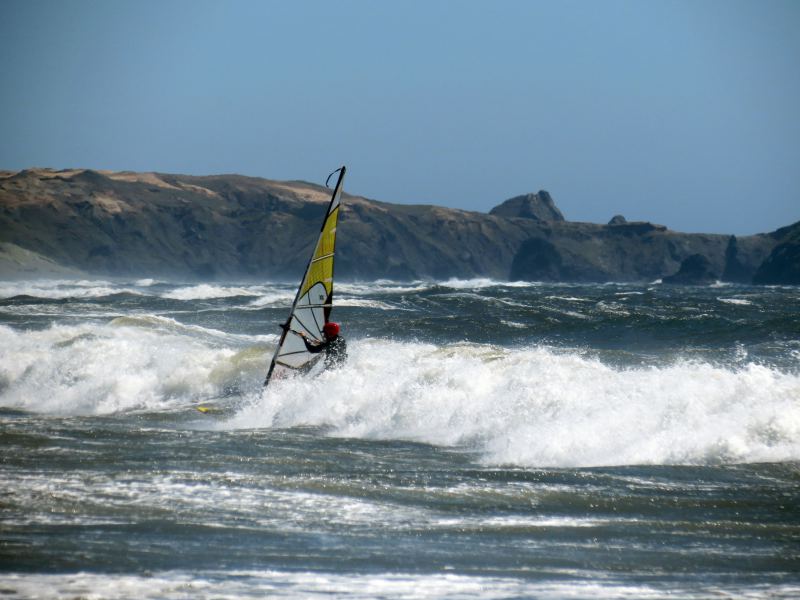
x=234, y=227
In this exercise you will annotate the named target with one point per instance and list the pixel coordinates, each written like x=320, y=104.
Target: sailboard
x=313, y=302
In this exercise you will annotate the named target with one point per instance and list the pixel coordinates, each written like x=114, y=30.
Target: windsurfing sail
x=312, y=305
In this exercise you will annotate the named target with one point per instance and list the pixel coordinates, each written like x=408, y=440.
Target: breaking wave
x=538, y=407
x=205, y=291
x=57, y=289
x=534, y=406
x=132, y=363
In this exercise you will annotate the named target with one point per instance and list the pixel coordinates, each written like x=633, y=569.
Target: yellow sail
x=321, y=267
x=312, y=304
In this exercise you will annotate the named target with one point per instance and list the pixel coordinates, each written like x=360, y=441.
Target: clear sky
x=685, y=113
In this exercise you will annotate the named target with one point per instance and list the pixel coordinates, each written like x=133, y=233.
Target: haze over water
x=485, y=440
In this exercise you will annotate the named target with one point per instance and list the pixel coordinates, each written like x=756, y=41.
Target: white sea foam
x=101, y=369
x=206, y=291
x=147, y=282
x=61, y=288
x=483, y=282
x=538, y=407
x=529, y=407
x=514, y=324
x=267, y=293
x=568, y=313
x=387, y=286
x=289, y=510
x=74, y=309
x=284, y=299
x=613, y=308
x=740, y=301
x=383, y=286
x=568, y=298
x=482, y=298
x=182, y=585
x=366, y=303
x=274, y=297
x=173, y=326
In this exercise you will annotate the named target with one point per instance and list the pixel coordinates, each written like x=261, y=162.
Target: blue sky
x=682, y=113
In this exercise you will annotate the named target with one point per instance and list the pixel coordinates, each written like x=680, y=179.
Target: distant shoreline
x=86, y=223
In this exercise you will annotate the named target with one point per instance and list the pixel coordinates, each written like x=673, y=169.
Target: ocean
x=485, y=440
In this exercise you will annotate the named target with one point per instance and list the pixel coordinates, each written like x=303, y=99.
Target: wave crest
x=539, y=407
x=103, y=369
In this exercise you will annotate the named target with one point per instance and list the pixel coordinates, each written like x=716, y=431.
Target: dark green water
x=484, y=441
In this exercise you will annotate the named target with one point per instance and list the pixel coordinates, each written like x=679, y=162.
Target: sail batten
x=314, y=299
x=322, y=258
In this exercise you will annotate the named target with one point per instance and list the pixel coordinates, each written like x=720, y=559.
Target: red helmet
x=331, y=329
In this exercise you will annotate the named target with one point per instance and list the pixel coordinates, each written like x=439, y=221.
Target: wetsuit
x=335, y=351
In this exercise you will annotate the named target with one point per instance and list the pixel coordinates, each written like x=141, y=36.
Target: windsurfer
x=312, y=307
x=334, y=346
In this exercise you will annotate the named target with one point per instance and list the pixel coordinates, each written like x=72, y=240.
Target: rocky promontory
x=782, y=266
x=235, y=227
x=539, y=207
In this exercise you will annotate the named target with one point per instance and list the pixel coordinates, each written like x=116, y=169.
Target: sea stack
x=538, y=206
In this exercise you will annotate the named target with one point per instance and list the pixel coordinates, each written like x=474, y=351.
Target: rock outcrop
x=782, y=266
x=539, y=207
x=695, y=270
x=637, y=251
x=735, y=270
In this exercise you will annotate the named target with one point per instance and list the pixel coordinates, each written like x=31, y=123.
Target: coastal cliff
x=231, y=226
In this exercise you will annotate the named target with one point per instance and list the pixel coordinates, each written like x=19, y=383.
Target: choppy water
x=485, y=440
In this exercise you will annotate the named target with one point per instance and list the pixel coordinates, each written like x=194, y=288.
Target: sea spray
x=62, y=289
x=535, y=406
x=205, y=291
x=104, y=369
x=542, y=407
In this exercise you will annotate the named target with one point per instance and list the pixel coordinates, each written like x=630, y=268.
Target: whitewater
x=485, y=440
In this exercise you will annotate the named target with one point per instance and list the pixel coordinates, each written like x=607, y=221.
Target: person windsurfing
x=333, y=345
x=309, y=316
